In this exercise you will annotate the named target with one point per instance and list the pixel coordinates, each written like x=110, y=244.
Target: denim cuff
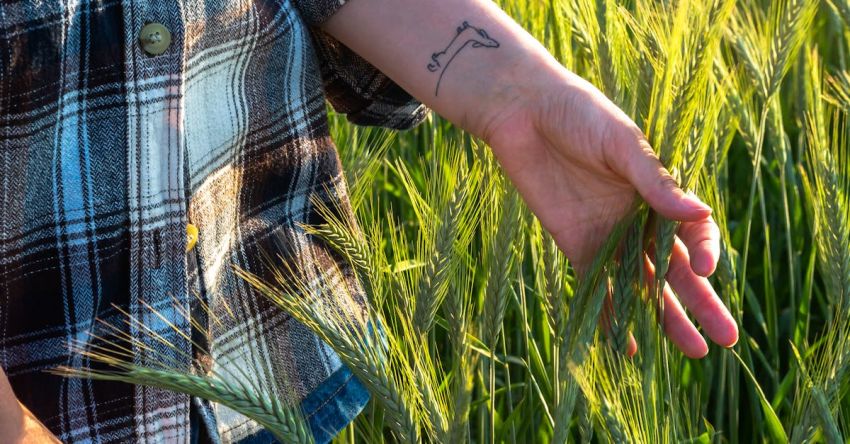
x=328, y=409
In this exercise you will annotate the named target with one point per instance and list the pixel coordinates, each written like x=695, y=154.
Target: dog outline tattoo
x=466, y=35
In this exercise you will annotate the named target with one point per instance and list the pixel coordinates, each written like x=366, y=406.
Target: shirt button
x=191, y=237
x=155, y=38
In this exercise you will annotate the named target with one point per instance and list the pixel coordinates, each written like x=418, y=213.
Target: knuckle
x=699, y=232
x=643, y=144
x=627, y=135
x=678, y=272
x=666, y=181
x=699, y=306
x=625, y=146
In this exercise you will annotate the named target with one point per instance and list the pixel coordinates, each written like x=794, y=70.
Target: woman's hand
x=574, y=156
x=579, y=162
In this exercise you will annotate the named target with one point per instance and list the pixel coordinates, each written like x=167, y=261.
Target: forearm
x=466, y=59
x=17, y=423
x=11, y=414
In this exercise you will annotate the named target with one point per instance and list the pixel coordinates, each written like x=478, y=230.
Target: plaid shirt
x=107, y=153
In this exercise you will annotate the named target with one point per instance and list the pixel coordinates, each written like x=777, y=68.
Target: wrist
x=525, y=84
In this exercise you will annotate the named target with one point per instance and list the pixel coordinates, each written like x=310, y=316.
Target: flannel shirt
x=108, y=152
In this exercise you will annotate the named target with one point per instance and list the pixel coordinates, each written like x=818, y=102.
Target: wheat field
x=486, y=333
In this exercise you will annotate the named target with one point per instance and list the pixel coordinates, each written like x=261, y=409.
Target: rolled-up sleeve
x=353, y=86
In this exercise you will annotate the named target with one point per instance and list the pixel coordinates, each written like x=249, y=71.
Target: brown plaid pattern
x=106, y=153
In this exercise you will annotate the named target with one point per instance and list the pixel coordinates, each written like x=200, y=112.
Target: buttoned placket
x=163, y=271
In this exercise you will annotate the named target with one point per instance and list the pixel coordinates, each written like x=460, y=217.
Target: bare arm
x=421, y=44
x=577, y=160
x=17, y=423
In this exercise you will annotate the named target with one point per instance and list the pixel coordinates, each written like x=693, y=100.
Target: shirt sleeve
x=353, y=86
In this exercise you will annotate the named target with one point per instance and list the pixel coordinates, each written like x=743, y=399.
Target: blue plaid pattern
x=106, y=153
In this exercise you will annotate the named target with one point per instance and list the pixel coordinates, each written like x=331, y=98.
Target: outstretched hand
x=580, y=162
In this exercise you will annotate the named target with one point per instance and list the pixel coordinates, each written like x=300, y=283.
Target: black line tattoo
x=466, y=35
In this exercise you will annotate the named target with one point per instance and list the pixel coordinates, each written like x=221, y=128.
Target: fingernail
x=694, y=203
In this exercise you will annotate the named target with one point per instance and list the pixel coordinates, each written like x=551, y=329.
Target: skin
x=17, y=424
x=578, y=161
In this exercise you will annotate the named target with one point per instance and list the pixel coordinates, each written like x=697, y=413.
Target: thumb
x=638, y=163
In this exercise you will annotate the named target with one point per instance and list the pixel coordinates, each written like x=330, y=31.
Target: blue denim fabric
x=202, y=423
x=334, y=404
x=331, y=407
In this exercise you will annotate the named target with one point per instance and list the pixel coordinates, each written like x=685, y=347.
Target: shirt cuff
x=316, y=12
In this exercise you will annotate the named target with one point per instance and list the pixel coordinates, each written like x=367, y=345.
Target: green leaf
x=774, y=426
